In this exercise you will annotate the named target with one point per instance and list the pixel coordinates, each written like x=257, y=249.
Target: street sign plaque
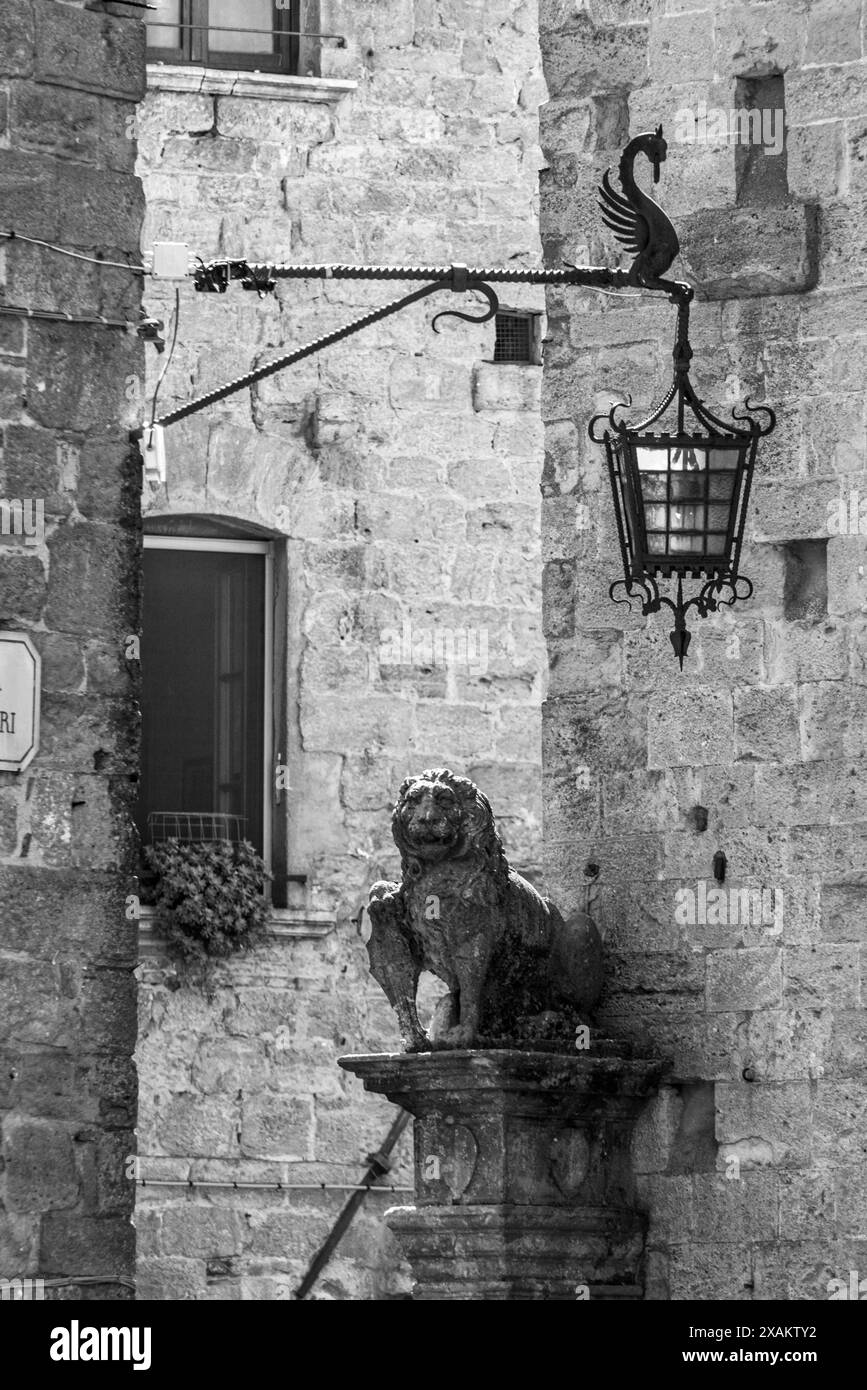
x=20, y=669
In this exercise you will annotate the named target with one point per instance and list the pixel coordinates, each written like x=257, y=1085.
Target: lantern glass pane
x=654, y=487
x=678, y=497
x=687, y=487
x=686, y=545
x=686, y=518
x=721, y=485
x=688, y=458
x=652, y=458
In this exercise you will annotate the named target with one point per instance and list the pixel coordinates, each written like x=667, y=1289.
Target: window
x=255, y=34
x=206, y=662
x=517, y=337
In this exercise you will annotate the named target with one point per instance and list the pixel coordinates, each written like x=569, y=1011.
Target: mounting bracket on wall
x=680, y=497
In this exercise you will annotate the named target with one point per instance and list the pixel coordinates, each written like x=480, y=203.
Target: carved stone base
x=523, y=1181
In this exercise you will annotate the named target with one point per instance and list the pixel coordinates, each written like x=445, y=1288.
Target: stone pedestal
x=522, y=1169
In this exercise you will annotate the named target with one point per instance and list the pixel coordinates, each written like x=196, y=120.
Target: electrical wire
x=191, y=1185
x=76, y=255
x=57, y=316
x=168, y=361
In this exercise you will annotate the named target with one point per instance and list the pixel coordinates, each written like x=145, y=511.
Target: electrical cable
x=168, y=361
x=192, y=1184
x=57, y=316
x=76, y=255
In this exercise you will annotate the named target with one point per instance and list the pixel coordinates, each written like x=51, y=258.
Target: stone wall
x=68, y=84
x=401, y=471
x=753, y=1160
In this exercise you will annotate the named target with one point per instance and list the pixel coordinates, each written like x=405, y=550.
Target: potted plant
x=208, y=898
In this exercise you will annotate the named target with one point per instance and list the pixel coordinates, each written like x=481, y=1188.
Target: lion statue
x=515, y=970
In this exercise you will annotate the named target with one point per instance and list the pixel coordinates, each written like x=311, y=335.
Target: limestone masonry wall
x=401, y=468
x=753, y=1159
x=68, y=83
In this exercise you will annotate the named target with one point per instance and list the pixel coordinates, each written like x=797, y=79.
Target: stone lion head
x=440, y=816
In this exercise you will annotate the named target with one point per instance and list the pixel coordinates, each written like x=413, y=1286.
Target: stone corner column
x=523, y=1179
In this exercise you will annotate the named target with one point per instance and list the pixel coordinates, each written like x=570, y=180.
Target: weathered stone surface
x=509, y=1171
x=513, y=967
x=68, y=1020
x=767, y=741
x=743, y=252
x=40, y=1167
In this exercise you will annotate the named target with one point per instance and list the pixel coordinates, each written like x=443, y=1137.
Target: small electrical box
x=171, y=260
x=153, y=452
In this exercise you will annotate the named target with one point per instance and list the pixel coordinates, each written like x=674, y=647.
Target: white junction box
x=153, y=451
x=171, y=260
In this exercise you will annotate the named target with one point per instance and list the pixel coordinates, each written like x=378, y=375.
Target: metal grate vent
x=514, y=340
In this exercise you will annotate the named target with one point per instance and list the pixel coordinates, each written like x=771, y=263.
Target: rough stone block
x=825, y=93
x=766, y=724
x=807, y=1205
x=847, y=567
x=736, y=1210
x=558, y=598
x=818, y=975
x=840, y=1122
x=586, y=58
x=75, y=376
x=85, y=1245
x=799, y=651
x=737, y=253
x=501, y=386
x=172, y=1277
x=815, y=163
x=17, y=39
x=787, y=512
x=720, y=1271
x=22, y=583
x=206, y=1232
x=590, y=661
x=749, y=978
x=753, y=41
x=833, y=32
x=19, y=1240
x=681, y=45
x=833, y=720
x=95, y=52
x=690, y=728
x=844, y=911
x=277, y=1126
x=40, y=1167
x=762, y=1124
x=69, y=127
x=193, y=1124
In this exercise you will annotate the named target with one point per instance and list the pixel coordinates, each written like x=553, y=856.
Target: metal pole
x=379, y=1165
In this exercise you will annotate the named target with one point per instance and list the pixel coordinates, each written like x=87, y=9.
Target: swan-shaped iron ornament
x=639, y=223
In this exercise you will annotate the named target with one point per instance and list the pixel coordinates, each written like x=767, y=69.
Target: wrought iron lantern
x=680, y=495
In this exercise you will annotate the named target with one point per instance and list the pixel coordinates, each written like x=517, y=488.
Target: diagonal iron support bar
x=379, y=1163
x=215, y=276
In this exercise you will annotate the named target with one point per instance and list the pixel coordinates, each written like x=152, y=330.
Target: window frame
x=249, y=547
x=195, y=48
